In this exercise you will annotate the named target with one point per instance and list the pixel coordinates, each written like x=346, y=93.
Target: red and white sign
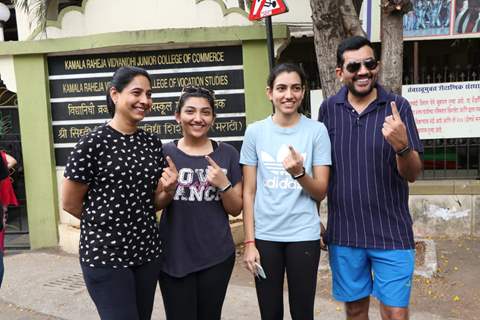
x=265, y=8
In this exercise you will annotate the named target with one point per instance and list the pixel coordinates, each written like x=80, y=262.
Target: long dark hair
x=286, y=67
x=121, y=78
x=289, y=67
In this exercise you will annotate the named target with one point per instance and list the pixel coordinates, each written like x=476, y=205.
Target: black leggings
x=300, y=260
x=199, y=295
x=123, y=294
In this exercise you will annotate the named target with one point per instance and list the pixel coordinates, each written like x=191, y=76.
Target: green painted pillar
x=255, y=73
x=37, y=147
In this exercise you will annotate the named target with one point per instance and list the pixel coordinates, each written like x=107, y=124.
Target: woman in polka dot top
x=110, y=182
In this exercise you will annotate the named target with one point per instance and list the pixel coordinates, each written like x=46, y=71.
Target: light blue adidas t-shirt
x=282, y=210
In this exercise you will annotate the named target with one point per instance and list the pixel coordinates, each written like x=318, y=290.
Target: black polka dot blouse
x=118, y=224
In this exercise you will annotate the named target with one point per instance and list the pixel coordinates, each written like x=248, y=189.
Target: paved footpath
x=41, y=285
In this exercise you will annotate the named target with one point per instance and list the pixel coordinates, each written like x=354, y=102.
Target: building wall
x=114, y=26
x=117, y=26
x=103, y=16
x=152, y=15
x=7, y=72
x=48, y=224
x=448, y=208
x=37, y=149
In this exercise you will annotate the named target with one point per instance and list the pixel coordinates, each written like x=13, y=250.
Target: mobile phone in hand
x=259, y=272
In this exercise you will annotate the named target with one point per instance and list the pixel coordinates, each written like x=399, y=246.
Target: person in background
x=199, y=253
x=375, y=152
x=7, y=198
x=111, y=181
x=286, y=159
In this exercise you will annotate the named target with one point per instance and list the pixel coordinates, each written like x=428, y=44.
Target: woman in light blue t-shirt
x=286, y=159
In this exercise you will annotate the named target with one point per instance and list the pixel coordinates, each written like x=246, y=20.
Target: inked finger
x=171, y=164
x=395, y=113
x=211, y=162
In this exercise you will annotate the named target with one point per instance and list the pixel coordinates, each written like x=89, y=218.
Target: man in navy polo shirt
x=375, y=153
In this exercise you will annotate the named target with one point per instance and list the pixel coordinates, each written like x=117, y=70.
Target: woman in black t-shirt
x=199, y=252
x=110, y=182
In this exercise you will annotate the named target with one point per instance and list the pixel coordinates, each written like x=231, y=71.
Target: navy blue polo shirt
x=367, y=197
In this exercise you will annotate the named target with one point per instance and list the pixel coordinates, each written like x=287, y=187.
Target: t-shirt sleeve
x=322, y=149
x=406, y=114
x=322, y=113
x=160, y=150
x=81, y=164
x=248, y=153
x=234, y=171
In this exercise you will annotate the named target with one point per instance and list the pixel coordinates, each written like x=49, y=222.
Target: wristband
x=248, y=241
x=226, y=188
x=298, y=176
x=404, y=151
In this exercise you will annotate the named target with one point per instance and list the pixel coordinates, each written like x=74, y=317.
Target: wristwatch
x=404, y=151
x=226, y=188
x=298, y=176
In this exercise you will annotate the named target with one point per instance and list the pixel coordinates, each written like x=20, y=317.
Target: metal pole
x=271, y=56
x=416, y=78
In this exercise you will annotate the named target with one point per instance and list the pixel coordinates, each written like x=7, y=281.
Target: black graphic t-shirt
x=118, y=226
x=194, y=227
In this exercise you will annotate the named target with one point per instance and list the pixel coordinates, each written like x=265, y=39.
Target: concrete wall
x=37, y=148
x=49, y=225
x=123, y=15
x=445, y=208
x=104, y=16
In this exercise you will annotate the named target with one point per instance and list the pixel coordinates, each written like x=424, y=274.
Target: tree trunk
x=241, y=4
x=328, y=32
x=392, y=45
x=351, y=22
x=358, y=6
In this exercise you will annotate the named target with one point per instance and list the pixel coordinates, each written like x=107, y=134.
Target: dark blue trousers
x=198, y=295
x=299, y=260
x=123, y=294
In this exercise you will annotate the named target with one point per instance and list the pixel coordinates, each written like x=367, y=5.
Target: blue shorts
x=358, y=273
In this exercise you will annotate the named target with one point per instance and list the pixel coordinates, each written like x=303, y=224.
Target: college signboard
x=78, y=88
x=445, y=110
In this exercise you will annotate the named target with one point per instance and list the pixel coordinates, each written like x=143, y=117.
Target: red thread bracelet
x=249, y=241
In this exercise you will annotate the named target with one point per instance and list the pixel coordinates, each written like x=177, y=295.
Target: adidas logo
x=285, y=183
x=281, y=179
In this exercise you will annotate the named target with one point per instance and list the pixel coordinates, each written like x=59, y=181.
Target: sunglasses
x=195, y=89
x=354, y=66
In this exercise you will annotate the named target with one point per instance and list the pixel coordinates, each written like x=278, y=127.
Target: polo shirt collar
x=382, y=98
x=382, y=94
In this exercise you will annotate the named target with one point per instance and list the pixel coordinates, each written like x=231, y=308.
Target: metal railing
x=451, y=159
x=437, y=74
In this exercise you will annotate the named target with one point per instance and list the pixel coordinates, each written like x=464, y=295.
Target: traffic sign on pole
x=266, y=8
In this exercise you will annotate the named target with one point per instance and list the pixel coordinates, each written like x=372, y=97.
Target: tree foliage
x=36, y=10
